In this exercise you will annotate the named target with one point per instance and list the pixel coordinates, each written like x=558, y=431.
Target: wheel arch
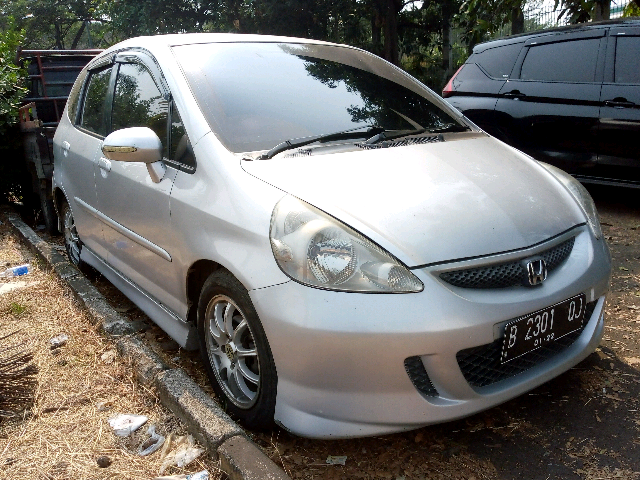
x=197, y=274
x=59, y=197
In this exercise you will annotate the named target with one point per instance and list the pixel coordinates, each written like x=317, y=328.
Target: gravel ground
x=582, y=425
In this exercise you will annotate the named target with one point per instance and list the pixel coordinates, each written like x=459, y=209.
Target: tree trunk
x=446, y=42
x=376, y=32
x=78, y=36
x=59, y=44
x=390, y=12
x=602, y=10
x=517, y=21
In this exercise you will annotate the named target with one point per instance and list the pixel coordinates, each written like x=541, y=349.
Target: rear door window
x=497, y=62
x=92, y=118
x=627, y=66
x=573, y=61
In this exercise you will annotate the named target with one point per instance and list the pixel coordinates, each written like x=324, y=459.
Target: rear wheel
x=72, y=242
x=235, y=350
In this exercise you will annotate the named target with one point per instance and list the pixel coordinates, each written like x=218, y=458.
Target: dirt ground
x=585, y=424
x=80, y=385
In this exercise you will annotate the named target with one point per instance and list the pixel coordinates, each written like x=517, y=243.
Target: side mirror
x=136, y=144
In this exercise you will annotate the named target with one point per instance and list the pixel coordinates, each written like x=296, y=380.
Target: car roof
x=521, y=37
x=173, y=40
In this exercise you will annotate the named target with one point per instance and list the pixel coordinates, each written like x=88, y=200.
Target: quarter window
x=498, y=62
x=74, y=95
x=562, y=62
x=627, y=69
x=137, y=102
x=94, y=102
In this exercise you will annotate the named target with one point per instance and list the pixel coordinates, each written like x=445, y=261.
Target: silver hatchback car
x=351, y=255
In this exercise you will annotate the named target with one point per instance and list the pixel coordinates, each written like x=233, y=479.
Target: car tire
x=72, y=243
x=236, y=352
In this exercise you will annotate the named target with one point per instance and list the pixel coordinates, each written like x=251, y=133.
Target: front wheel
x=235, y=350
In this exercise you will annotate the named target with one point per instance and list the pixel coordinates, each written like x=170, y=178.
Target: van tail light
x=448, y=88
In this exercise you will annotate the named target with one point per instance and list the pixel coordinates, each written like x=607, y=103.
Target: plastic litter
x=59, y=340
x=183, y=452
x=124, y=424
x=336, y=459
x=203, y=475
x=151, y=444
x=16, y=271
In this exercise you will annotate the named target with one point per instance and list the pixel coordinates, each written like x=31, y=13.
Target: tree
x=57, y=24
x=12, y=90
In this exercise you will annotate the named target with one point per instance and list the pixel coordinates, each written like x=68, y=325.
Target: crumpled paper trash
x=203, y=475
x=124, y=424
x=179, y=451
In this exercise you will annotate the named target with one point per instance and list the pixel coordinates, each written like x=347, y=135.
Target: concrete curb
x=240, y=458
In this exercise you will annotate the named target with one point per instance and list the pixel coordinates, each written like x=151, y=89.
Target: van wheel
x=235, y=351
x=72, y=242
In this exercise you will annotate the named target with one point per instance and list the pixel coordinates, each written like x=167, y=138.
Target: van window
x=562, y=62
x=497, y=62
x=627, y=69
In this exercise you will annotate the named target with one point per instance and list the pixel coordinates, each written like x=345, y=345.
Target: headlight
x=317, y=250
x=581, y=195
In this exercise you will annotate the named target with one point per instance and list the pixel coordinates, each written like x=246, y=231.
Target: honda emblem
x=537, y=271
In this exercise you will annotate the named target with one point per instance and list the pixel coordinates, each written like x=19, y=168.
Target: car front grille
x=508, y=274
x=481, y=365
x=419, y=377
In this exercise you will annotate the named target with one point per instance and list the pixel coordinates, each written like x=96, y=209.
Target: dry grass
x=65, y=430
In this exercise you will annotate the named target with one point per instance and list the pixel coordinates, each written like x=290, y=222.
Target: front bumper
x=340, y=357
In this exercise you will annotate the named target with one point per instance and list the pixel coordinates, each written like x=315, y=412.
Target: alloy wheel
x=232, y=351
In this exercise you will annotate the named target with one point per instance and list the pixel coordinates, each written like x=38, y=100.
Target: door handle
x=65, y=148
x=515, y=94
x=619, y=102
x=104, y=164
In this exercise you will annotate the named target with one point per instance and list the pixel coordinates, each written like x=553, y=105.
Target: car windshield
x=257, y=95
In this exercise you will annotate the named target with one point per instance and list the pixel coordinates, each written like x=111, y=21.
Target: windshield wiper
x=452, y=127
x=327, y=137
x=391, y=134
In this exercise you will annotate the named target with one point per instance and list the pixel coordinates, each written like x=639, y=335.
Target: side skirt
x=182, y=332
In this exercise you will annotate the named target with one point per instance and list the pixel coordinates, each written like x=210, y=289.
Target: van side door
x=619, y=146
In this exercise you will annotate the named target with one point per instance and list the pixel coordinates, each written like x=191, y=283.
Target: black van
x=569, y=96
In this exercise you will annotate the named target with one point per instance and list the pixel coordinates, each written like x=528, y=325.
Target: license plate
x=540, y=328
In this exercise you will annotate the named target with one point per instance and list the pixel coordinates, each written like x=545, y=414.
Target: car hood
x=468, y=196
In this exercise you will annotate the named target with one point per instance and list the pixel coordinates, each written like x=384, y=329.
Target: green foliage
x=12, y=81
x=17, y=309
x=60, y=24
x=12, y=77
x=631, y=10
x=481, y=19
x=577, y=11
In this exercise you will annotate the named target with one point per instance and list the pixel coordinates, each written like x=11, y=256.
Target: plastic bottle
x=16, y=271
